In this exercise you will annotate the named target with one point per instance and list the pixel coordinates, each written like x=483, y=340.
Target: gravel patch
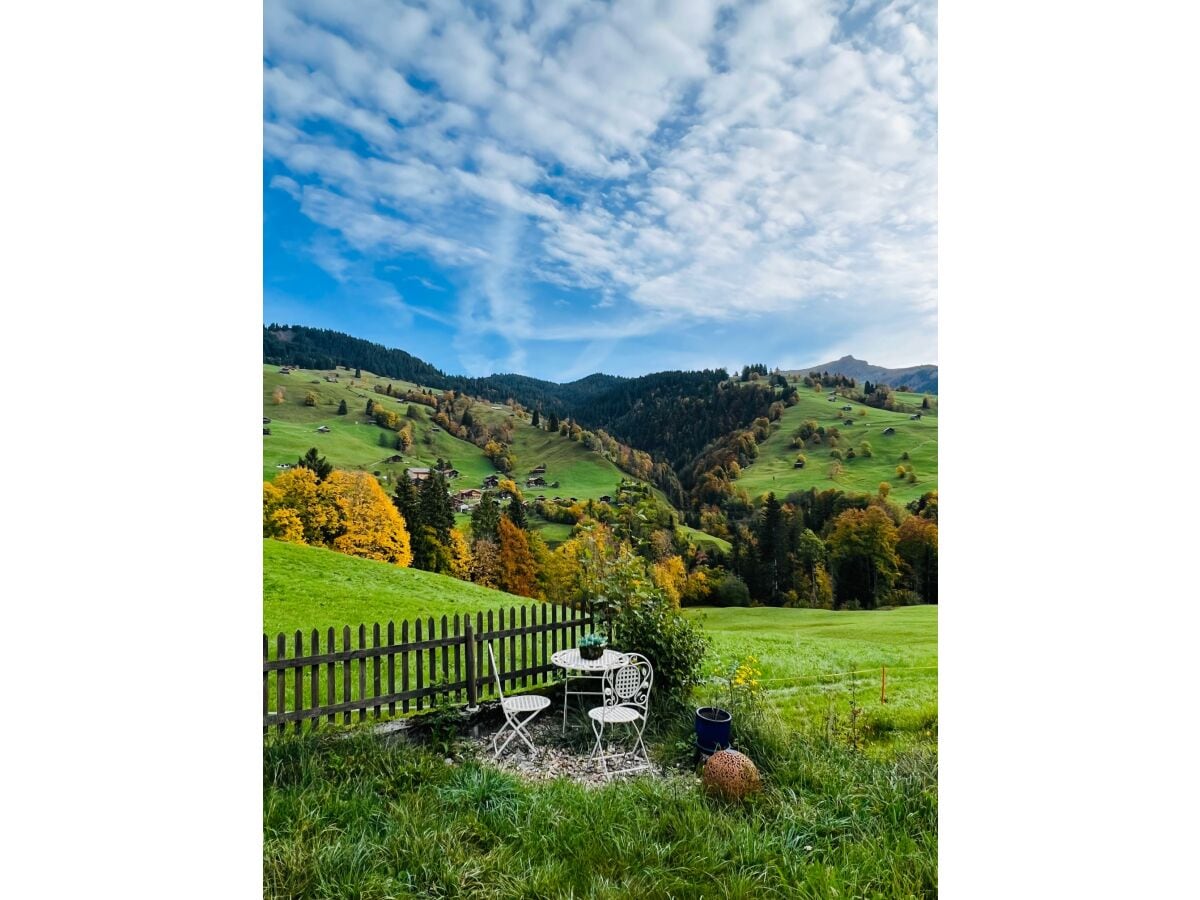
x=558, y=756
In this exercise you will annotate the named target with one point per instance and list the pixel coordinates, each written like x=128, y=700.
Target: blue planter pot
x=713, y=728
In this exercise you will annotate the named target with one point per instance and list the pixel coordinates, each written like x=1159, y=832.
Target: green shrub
x=732, y=591
x=674, y=645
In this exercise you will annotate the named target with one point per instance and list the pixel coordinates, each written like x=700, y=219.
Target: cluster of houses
x=418, y=473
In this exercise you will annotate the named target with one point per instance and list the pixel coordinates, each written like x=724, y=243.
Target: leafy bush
x=674, y=645
x=901, y=597
x=732, y=591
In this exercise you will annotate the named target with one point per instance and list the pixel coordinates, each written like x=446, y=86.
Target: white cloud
x=699, y=160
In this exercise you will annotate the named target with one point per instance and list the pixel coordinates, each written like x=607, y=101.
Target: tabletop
x=570, y=659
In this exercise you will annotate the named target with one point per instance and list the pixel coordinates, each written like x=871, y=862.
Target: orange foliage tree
x=517, y=571
x=372, y=527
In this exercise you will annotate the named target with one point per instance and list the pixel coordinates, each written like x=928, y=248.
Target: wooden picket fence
x=423, y=667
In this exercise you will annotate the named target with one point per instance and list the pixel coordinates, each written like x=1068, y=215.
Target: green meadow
x=773, y=470
x=812, y=660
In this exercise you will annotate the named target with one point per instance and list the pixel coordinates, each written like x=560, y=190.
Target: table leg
x=566, y=699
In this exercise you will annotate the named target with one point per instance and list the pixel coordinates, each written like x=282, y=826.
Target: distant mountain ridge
x=919, y=378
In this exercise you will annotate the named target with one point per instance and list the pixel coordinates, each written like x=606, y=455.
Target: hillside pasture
x=353, y=441
x=773, y=470
x=312, y=587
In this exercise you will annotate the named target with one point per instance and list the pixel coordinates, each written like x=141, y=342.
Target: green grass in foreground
x=358, y=818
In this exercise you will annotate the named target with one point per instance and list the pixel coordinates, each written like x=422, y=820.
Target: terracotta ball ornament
x=731, y=775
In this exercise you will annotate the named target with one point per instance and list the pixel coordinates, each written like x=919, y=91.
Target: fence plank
x=500, y=679
x=391, y=639
x=346, y=673
x=280, y=687
x=545, y=658
x=314, y=702
x=457, y=661
x=512, y=645
x=375, y=664
x=362, y=672
x=478, y=652
x=445, y=658
x=404, y=663
x=420, y=669
x=266, y=678
x=329, y=667
x=524, y=647
x=433, y=679
x=554, y=632
x=298, y=687
x=469, y=641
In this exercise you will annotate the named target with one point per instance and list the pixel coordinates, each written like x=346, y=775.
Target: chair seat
x=614, y=714
x=525, y=703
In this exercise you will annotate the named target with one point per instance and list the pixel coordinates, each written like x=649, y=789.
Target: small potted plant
x=714, y=724
x=592, y=646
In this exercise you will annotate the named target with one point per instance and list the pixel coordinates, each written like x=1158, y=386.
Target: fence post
x=469, y=639
x=883, y=685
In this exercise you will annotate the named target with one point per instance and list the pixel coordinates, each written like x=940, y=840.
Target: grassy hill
x=354, y=442
x=311, y=587
x=773, y=469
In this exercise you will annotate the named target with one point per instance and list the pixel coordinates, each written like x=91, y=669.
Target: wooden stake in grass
x=883, y=684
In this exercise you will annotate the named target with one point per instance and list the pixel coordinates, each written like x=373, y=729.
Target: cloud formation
x=675, y=161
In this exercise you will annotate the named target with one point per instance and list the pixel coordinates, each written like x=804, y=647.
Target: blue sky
x=570, y=186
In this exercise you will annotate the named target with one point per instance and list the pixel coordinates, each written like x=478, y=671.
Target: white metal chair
x=626, y=692
x=519, y=711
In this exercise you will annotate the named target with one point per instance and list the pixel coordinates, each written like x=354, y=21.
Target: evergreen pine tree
x=554, y=421
x=485, y=519
x=370, y=407
x=342, y=409
x=925, y=403
x=358, y=373
x=516, y=514
x=771, y=546
x=436, y=511
x=536, y=419
x=318, y=464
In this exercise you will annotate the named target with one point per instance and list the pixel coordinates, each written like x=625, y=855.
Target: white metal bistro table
x=576, y=667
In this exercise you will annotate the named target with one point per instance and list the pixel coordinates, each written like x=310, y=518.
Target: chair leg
x=508, y=726
x=520, y=729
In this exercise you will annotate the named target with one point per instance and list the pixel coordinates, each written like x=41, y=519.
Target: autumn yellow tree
x=670, y=576
x=485, y=563
x=297, y=508
x=517, y=571
x=372, y=527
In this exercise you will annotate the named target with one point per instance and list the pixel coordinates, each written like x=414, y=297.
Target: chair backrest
x=629, y=685
x=496, y=672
